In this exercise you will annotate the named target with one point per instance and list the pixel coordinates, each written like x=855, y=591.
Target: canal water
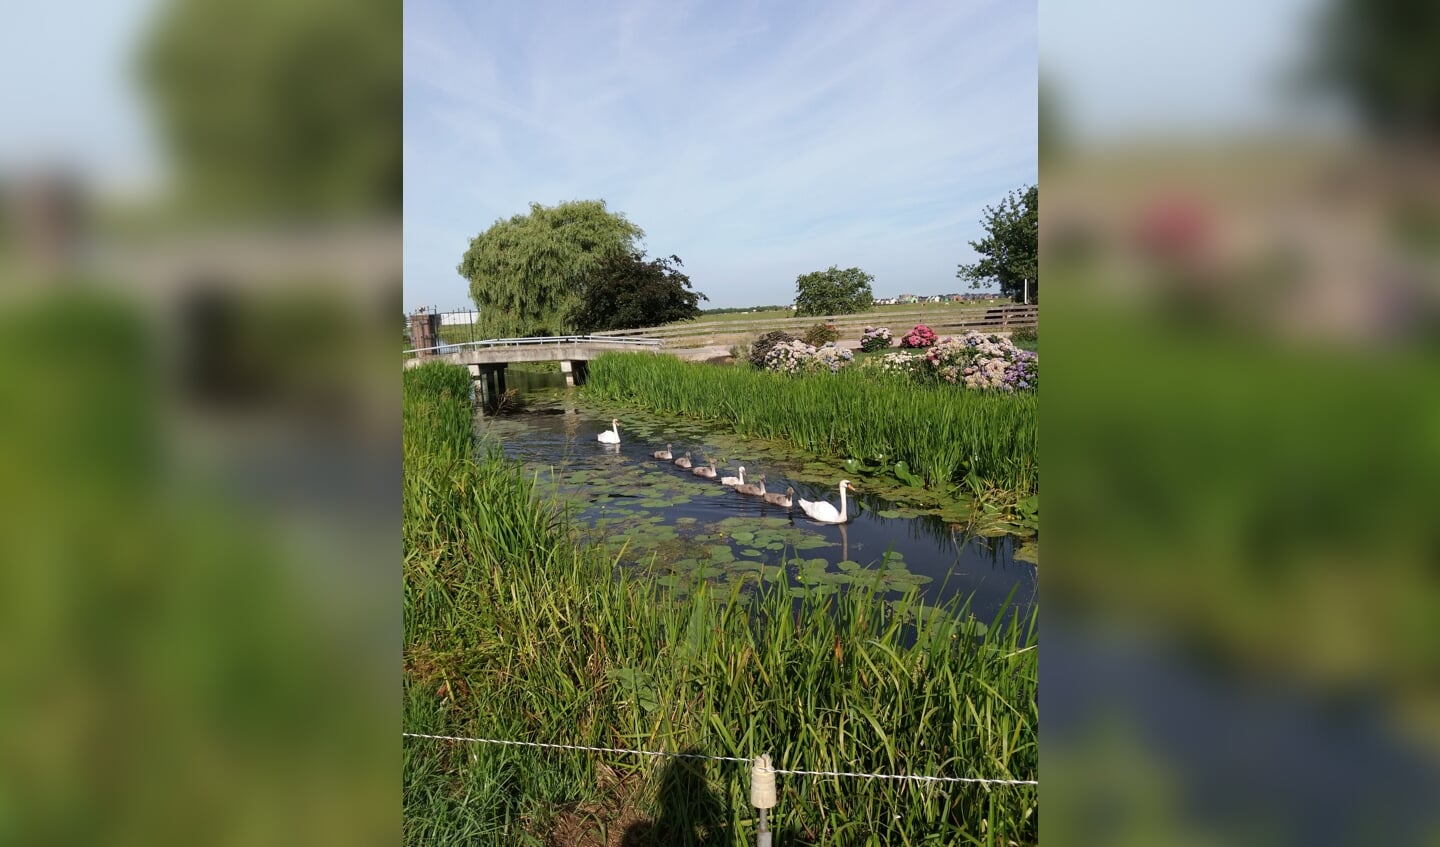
x=690, y=531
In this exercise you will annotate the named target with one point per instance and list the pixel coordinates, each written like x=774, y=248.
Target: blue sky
x=757, y=141
x=1126, y=70
x=69, y=94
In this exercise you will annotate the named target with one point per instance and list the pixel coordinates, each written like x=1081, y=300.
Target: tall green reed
x=513, y=631
x=943, y=433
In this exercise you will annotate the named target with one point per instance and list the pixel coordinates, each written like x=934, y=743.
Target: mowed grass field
x=878, y=311
x=462, y=333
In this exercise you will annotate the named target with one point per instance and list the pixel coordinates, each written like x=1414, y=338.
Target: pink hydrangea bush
x=920, y=336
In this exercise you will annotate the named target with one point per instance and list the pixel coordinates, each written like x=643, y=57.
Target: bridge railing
x=547, y=340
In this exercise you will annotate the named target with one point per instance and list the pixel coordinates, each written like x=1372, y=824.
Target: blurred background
x=199, y=296
x=1240, y=232
x=200, y=258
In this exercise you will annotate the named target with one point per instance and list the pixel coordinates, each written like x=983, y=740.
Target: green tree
x=1010, y=249
x=833, y=292
x=527, y=273
x=627, y=292
x=271, y=107
x=1380, y=55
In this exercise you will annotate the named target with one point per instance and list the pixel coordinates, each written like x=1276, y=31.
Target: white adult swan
x=708, y=473
x=733, y=481
x=684, y=461
x=665, y=454
x=780, y=499
x=612, y=435
x=757, y=490
x=824, y=512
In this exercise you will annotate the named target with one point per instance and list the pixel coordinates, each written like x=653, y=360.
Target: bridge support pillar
x=491, y=379
x=575, y=371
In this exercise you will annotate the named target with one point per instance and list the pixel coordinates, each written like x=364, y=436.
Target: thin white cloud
x=757, y=143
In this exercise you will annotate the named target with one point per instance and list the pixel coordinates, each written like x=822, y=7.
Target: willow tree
x=270, y=107
x=526, y=273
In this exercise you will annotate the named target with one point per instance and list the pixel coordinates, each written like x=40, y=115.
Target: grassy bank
x=942, y=433
x=511, y=631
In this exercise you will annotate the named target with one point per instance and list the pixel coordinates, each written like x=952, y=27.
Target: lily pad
x=812, y=543
x=904, y=474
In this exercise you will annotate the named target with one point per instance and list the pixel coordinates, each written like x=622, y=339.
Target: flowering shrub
x=901, y=364
x=764, y=344
x=820, y=334
x=799, y=357
x=920, y=336
x=976, y=360
x=875, y=338
x=833, y=358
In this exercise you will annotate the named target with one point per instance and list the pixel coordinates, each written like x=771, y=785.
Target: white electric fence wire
x=780, y=771
x=577, y=747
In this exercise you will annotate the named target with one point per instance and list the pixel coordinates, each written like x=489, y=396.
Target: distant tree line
x=732, y=310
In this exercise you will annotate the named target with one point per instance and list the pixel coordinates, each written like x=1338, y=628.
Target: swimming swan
x=708, y=473
x=826, y=513
x=734, y=480
x=757, y=490
x=684, y=461
x=780, y=499
x=610, y=436
x=664, y=454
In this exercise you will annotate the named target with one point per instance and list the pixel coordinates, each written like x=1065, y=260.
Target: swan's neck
x=842, y=503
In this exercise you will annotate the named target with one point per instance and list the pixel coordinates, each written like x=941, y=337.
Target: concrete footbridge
x=488, y=359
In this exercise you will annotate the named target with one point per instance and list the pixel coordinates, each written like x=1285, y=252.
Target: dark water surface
x=690, y=530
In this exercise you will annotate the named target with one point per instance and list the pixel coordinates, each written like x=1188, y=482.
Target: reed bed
x=513, y=631
x=943, y=433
